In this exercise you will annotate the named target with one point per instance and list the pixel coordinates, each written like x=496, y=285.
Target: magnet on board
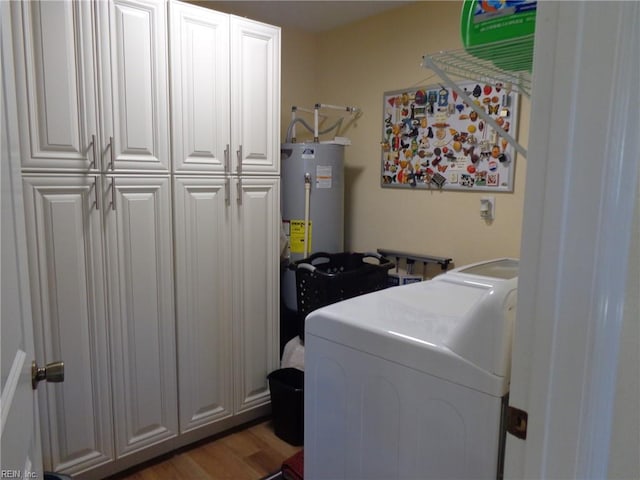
x=443, y=97
x=421, y=97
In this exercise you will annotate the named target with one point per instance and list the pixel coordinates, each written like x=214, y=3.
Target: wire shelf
x=507, y=62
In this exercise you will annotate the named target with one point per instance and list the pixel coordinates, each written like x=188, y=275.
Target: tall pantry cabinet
x=152, y=253
x=225, y=80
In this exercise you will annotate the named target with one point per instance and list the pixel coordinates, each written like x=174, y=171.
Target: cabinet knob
x=53, y=372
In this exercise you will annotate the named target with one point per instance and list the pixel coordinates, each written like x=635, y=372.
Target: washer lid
x=504, y=268
x=456, y=327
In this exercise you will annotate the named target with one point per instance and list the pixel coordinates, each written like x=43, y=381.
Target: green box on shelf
x=485, y=22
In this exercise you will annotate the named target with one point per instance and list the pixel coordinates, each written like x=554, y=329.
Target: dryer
x=408, y=382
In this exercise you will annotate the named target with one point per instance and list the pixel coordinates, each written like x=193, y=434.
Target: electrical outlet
x=487, y=207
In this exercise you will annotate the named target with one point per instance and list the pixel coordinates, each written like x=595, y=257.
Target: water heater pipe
x=307, y=201
x=291, y=130
x=293, y=121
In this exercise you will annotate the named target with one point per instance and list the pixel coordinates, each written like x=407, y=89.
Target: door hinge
x=517, y=422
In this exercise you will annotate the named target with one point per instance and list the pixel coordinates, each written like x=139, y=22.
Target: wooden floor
x=248, y=454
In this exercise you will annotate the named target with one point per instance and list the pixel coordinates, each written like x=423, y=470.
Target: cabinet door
x=256, y=288
x=200, y=88
x=255, y=97
x=135, y=96
x=56, y=84
x=69, y=311
x=203, y=290
x=142, y=317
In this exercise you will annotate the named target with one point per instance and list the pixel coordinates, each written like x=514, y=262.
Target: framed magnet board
x=434, y=140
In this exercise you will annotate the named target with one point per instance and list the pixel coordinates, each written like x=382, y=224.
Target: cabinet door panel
x=136, y=101
x=68, y=297
x=142, y=317
x=256, y=289
x=57, y=93
x=203, y=306
x=200, y=88
x=255, y=96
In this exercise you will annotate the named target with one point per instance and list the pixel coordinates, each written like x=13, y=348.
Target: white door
x=203, y=300
x=56, y=84
x=255, y=267
x=582, y=169
x=66, y=261
x=255, y=97
x=19, y=434
x=135, y=96
x=143, y=351
x=200, y=89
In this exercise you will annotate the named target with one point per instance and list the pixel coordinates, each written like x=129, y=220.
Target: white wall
x=357, y=63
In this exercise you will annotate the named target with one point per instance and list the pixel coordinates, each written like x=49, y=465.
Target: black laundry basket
x=325, y=278
x=287, y=404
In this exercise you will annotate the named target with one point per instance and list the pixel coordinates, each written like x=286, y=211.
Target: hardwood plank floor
x=248, y=454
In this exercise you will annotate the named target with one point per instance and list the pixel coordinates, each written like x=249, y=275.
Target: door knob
x=53, y=372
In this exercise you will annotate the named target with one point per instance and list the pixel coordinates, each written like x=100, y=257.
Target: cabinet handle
x=113, y=193
x=226, y=159
x=239, y=167
x=95, y=192
x=239, y=190
x=227, y=191
x=93, y=151
x=112, y=154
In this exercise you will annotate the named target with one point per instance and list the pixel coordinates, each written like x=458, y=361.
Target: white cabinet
x=256, y=288
x=103, y=203
x=89, y=64
x=57, y=92
x=227, y=284
x=200, y=89
x=138, y=224
x=225, y=85
x=255, y=97
x=134, y=104
x=203, y=300
x=225, y=80
x=69, y=309
x=93, y=92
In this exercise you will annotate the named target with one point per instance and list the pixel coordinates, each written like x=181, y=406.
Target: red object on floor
x=293, y=467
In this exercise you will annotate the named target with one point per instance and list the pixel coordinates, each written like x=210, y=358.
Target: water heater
x=312, y=186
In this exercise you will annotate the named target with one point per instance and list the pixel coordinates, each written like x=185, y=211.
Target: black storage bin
x=325, y=278
x=287, y=404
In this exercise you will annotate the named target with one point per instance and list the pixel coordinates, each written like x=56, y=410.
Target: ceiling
x=307, y=15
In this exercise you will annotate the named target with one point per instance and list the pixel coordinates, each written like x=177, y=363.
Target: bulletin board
x=433, y=140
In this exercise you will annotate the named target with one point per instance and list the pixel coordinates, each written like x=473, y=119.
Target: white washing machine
x=407, y=382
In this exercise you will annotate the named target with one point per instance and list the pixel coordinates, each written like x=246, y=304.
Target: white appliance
x=407, y=382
